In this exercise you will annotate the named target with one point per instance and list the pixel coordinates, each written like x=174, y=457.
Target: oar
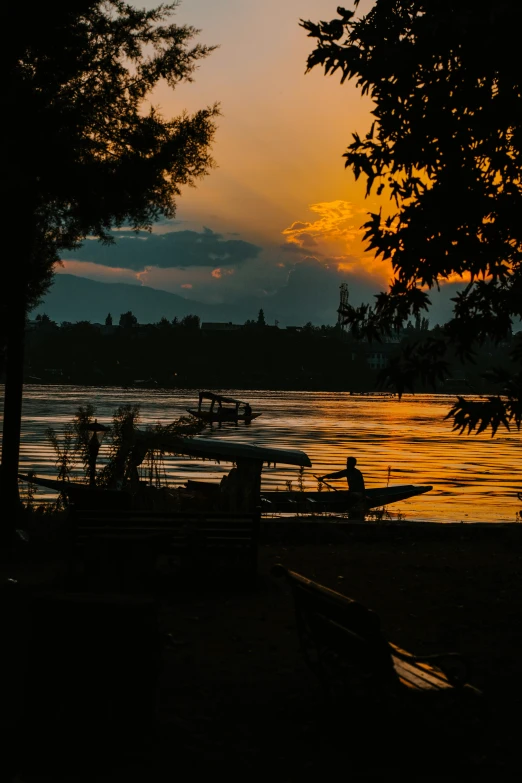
x=325, y=483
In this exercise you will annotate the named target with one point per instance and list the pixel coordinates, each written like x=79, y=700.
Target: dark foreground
x=235, y=700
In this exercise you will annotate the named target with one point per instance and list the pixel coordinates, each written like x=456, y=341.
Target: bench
x=124, y=546
x=343, y=645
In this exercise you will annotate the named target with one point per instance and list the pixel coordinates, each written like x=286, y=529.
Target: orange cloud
x=219, y=273
x=335, y=223
x=336, y=237
x=186, y=285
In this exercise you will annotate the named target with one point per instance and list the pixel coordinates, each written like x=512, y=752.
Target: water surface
x=474, y=478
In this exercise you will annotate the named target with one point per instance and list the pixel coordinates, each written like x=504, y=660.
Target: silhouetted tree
x=128, y=320
x=164, y=323
x=191, y=322
x=108, y=320
x=261, y=318
x=446, y=145
x=85, y=153
x=44, y=319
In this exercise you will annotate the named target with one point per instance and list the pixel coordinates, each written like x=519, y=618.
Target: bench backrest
x=340, y=638
x=140, y=536
x=160, y=523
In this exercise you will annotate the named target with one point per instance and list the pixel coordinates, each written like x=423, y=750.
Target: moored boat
x=222, y=409
x=338, y=502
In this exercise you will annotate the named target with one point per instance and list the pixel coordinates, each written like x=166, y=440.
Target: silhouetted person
x=240, y=490
x=353, y=475
x=93, y=447
x=248, y=413
x=356, y=486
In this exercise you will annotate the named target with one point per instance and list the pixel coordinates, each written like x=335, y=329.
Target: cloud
x=219, y=273
x=333, y=224
x=336, y=238
x=311, y=292
x=92, y=271
x=173, y=249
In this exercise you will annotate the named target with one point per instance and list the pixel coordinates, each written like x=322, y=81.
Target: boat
x=240, y=490
x=337, y=501
x=222, y=409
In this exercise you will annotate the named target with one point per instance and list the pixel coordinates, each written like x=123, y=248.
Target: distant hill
x=306, y=297
x=73, y=298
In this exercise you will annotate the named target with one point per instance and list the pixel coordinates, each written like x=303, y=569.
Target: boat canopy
x=231, y=451
x=206, y=395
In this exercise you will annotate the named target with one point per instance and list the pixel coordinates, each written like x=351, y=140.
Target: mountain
x=310, y=294
x=73, y=298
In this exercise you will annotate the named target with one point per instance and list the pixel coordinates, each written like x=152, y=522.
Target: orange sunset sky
x=281, y=214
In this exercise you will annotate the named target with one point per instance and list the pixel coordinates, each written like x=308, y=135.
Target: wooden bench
x=343, y=645
x=125, y=545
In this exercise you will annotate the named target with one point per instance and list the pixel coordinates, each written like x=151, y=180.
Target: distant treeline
x=183, y=354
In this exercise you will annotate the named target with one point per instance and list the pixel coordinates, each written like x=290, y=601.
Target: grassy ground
x=235, y=698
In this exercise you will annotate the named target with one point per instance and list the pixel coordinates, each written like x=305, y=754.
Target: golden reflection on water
x=474, y=478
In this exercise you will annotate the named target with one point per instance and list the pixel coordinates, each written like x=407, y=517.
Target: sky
x=280, y=211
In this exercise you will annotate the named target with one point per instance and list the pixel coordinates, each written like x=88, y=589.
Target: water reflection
x=474, y=478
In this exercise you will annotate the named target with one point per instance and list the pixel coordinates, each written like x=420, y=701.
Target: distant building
x=377, y=360
x=218, y=326
x=376, y=356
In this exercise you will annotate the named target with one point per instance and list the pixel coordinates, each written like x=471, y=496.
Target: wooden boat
x=82, y=495
x=223, y=409
x=86, y=497
x=340, y=501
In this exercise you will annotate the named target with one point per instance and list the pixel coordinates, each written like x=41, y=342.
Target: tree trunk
x=14, y=379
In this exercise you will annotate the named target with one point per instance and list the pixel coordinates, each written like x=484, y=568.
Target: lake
x=474, y=478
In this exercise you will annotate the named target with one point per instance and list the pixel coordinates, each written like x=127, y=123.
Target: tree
x=261, y=318
x=108, y=320
x=446, y=146
x=86, y=152
x=128, y=320
x=191, y=322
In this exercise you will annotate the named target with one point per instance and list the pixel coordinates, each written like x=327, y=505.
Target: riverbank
x=235, y=697
x=341, y=530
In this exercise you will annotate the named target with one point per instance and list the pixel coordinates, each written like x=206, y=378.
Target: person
x=356, y=486
x=354, y=476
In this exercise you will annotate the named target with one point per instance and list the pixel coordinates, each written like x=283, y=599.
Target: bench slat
x=414, y=676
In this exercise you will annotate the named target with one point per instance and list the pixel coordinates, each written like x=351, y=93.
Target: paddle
x=325, y=483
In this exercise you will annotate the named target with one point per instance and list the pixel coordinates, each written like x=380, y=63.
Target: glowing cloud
x=335, y=238
x=334, y=224
x=219, y=273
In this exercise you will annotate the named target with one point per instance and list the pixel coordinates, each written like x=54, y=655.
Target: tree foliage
x=85, y=149
x=128, y=320
x=446, y=147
